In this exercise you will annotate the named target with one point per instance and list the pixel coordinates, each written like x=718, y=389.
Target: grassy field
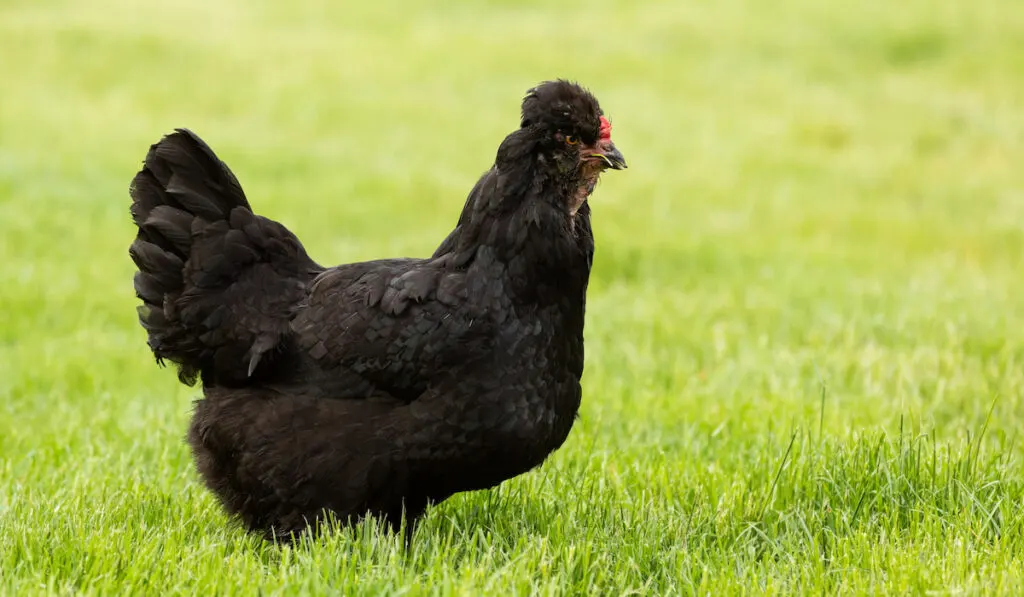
x=805, y=335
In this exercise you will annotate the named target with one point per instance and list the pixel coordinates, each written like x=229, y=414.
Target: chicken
x=383, y=386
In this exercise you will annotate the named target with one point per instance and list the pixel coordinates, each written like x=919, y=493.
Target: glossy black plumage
x=385, y=385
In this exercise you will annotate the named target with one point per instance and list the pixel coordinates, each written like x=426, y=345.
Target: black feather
x=171, y=224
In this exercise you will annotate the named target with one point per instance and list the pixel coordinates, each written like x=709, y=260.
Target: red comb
x=606, y=129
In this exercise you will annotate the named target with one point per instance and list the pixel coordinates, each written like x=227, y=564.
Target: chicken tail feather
x=217, y=282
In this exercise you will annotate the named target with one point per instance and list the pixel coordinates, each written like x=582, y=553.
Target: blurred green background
x=820, y=233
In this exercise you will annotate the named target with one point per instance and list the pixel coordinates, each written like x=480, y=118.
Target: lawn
x=805, y=333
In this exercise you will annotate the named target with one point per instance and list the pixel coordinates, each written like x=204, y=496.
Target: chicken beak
x=611, y=156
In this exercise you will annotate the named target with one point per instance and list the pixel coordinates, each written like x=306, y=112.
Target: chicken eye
x=571, y=140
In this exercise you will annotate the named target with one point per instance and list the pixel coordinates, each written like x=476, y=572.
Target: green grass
x=805, y=335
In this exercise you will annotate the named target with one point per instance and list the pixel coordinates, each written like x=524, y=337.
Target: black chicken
x=382, y=386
